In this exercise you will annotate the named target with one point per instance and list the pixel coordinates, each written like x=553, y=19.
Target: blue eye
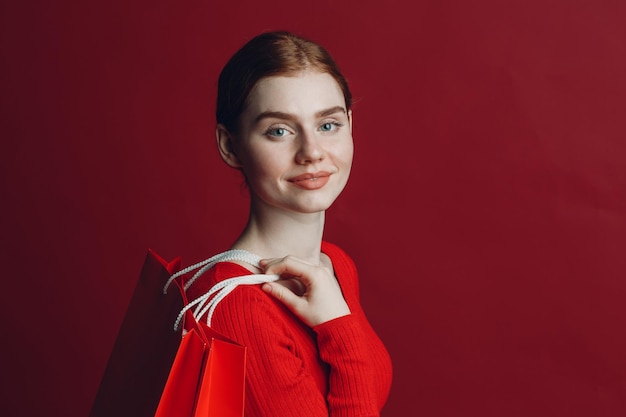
x=277, y=132
x=329, y=126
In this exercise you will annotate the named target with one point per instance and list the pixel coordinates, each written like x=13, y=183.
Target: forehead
x=302, y=93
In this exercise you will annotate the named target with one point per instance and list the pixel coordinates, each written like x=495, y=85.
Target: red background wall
x=486, y=211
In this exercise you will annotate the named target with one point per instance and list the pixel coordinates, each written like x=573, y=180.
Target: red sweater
x=339, y=368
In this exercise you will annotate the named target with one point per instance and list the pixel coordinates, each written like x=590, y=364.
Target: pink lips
x=311, y=181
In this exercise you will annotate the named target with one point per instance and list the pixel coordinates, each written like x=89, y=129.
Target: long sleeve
x=339, y=369
x=281, y=379
x=344, y=346
x=365, y=364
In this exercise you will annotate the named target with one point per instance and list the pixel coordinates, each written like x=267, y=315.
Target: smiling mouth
x=311, y=181
x=310, y=177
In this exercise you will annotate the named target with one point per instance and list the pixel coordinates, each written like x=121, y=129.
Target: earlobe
x=225, y=146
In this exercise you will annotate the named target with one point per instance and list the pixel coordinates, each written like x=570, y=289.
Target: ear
x=350, y=119
x=225, y=145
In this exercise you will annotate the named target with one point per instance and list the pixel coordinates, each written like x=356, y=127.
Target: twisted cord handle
x=206, y=303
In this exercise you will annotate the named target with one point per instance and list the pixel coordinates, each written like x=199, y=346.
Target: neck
x=273, y=233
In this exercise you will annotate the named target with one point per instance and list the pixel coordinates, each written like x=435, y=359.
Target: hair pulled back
x=269, y=54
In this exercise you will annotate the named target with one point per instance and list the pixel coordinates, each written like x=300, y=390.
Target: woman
x=284, y=121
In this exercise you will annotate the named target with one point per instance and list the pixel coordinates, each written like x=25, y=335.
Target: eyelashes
x=279, y=131
x=330, y=126
x=276, y=132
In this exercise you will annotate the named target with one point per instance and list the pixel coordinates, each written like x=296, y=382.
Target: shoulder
x=253, y=318
x=342, y=262
x=226, y=270
x=218, y=272
x=345, y=271
x=247, y=301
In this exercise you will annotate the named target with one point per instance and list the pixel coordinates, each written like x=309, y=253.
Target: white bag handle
x=206, y=303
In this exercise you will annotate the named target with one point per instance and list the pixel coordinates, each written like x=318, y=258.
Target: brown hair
x=269, y=54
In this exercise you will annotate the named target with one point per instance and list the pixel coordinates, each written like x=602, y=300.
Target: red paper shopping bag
x=222, y=392
x=207, y=377
x=145, y=346
x=153, y=371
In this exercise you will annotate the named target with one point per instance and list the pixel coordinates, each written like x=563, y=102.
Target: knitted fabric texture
x=339, y=368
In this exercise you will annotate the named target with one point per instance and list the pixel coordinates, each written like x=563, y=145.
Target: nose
x=310, y=150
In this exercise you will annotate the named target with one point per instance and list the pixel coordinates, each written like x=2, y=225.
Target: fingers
x=311, y=292
x=289, y=288
x=289, y=266
x=294, y=285
x=284, y=295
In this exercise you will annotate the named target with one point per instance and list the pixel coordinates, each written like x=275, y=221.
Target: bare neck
x=273, y=233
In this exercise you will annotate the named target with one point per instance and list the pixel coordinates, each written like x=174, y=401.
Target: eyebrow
x=287, y=116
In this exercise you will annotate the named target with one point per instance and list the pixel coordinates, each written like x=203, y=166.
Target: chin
x=305, y=203
x=314, y=206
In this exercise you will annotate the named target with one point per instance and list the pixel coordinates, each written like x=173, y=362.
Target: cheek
x=262, y=165
x=254, y=171
x=351, y=152
x=345, y=152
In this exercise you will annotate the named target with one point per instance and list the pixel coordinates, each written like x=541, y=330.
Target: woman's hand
x=311, y=292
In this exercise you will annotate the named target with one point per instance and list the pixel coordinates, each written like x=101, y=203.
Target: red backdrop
x=486, y=212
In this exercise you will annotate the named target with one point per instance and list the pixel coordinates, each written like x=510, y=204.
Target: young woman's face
x=295, y=142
